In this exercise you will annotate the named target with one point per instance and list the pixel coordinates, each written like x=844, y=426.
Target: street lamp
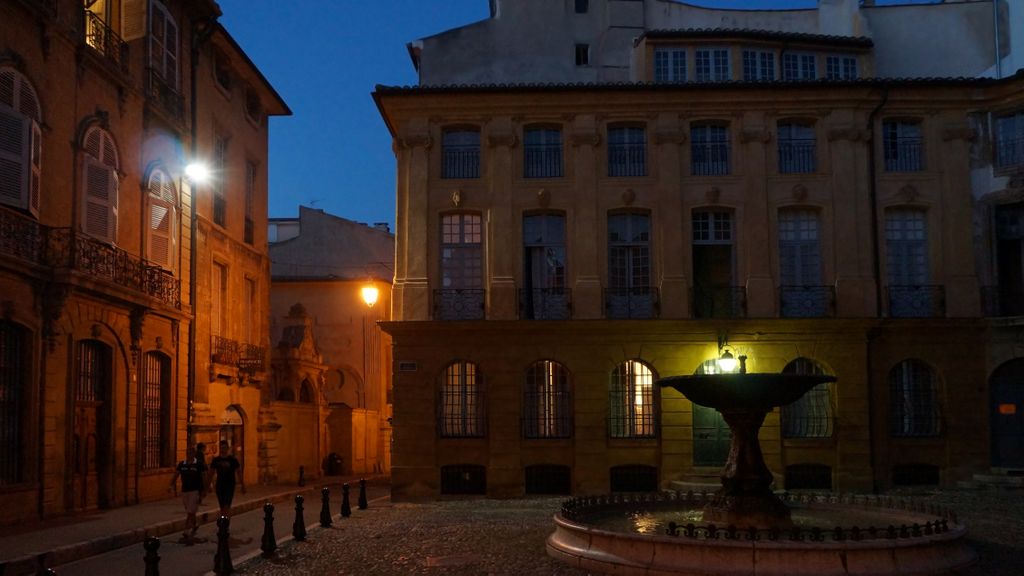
x=197, y=172
x=370, y=294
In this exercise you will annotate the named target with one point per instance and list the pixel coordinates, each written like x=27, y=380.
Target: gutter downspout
x=876, y=257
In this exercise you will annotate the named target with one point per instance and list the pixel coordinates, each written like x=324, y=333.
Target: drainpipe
x=995, y=26
x=876, y=261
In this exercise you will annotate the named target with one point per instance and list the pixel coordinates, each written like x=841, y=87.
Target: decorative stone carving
x=800, y=193
x=909, y=193
x=159, y=342
x=755, y=135
x=628, y=197
x=713, y=195
x=543, y=198
x=591, y=139
x=457, y=198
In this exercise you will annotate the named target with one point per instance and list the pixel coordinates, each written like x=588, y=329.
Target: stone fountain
x=745, y=528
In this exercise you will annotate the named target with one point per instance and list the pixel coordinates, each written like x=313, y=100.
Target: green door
x=710, y=437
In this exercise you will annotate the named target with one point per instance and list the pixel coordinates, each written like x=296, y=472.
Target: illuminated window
x=631, y=400
x=462, y=402
x=547, y=401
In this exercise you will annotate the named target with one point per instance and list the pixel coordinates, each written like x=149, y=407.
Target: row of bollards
x=268, y=544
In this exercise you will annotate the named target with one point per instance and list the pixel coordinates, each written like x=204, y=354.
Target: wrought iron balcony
x=903, y=155
x=67, y=249
x=719, y=301
x=459, y=304
x=545, y=304
x=21, y=237
x=224, y=351
x=917, y=301
x=710, y=158
x=165, y=96
x=631, y=303
x=796, y=156
x=461, y=161
x=627, y=159
x=807, y=301
x=251, y=358
x=542, y=161
x=104, y=40
x=1002, y=301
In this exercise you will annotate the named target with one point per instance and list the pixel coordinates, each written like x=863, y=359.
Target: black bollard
x=152, y=559
x=299, y=527
x=325, y=508
x=362, y=494
x=269, y=542
x=222, y=559
x=302, y=476
x=346, y=508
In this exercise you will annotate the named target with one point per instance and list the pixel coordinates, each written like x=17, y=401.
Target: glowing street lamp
x=370, y=294
x=197, y=172
x=727, y=362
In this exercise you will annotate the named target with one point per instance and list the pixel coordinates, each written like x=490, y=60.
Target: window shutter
x=15, y=137
x=171, y=54
x=160, y=234
x=157, y=41
x=100, y=200
x=35, y=179
x=133, y=20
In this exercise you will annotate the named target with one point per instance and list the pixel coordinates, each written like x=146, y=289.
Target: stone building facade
x=757, y=192
x=102, y=106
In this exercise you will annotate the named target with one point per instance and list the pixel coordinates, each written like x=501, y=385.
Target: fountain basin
x=924, y=542
x=744, y=391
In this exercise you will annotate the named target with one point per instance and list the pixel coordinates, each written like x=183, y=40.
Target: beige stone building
x=105, y=344
x=756, y=192
x=320, y=265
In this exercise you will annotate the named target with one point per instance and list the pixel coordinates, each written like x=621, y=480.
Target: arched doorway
x=1007, y=414
x=232, y=431
x=90, y=435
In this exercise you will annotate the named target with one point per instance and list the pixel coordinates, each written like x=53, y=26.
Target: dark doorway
x=1007, y=415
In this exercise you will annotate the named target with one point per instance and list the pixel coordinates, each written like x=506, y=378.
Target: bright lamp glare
x=727, y=363
x=197, y=172
x=370, y=294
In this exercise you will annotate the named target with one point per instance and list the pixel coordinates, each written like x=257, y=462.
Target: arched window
x=14, y=379
x=547, y=401
x=163, y=45
x=100, y=182
x=811, y=415
x=306, y=394
x=163, y=211
x=631, y=401
x=913, y=400
x=156, y=411
x=462, y=401
x=21, y=142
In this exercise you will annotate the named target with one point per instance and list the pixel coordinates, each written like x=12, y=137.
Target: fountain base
x=742, y=511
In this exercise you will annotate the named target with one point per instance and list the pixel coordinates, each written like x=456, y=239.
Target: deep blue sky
x=324, y=57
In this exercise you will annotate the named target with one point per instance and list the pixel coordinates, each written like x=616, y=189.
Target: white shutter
x=15, y=138
x=133, y=19
x=160, y=223
x=99, y=220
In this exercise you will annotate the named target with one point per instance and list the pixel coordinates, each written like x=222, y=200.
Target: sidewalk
x=28, y=549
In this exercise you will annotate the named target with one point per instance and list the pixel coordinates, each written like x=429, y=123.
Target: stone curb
x=31, y=564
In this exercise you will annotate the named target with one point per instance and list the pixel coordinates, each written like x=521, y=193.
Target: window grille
x=709, y=150
x=460, y=153
x=758, y=65
x=462, y=402
x=14, y=375
x=547, y=401
x=902, y=146
x=542, y=153
x=808, y=477
x=627, y=151
x=811, y=415
x=548, y=479
x=669, y=65
x=93, y=371
x=913, y=401
x=463, y=479
x=1009, y=143
x=797, y=146
x=156, y=417
x=634, y=478
x=629, y=293
x=712, y=65
x=631, y=400
x=915, y=475
x=799, y=67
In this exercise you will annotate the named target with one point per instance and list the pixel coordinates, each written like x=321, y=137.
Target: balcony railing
x=1002, y=301
x=104, y=40
x=459, y=304
x=1009, y=152
x=66, y=249
x=545, y=304
x=165, y=96
x=917, y=301
x=710, y=158
x=796, y=156
x=251, y=358
x=719, y=301
x=627, y=159
x=542, y=161
x=903, y=155
x=21, y=237
x=224, y=351
x=461, y=161
x=807, y=301
x=631, y=303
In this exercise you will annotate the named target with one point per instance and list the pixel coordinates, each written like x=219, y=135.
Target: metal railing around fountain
x=579, y=508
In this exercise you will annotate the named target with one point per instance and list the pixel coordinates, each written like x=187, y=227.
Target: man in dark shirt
x=228, y=469
x=191, y=470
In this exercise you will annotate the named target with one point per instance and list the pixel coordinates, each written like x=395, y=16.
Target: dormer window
x=841, y=67
x=670, y=65
x=796, y=66
x=712, y=65
x=758, y=65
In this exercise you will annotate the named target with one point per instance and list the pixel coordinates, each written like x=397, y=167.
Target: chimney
x=382, y=226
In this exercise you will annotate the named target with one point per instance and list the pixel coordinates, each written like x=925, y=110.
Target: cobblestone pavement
x=499, y=537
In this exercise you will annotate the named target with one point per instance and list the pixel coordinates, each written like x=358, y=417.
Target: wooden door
x=91, y=426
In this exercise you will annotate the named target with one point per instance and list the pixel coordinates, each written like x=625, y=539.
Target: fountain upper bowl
x=745, y=391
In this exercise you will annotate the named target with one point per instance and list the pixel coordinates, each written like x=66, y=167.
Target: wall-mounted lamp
x=370, y=294
x=727, y=362
x=197, y=172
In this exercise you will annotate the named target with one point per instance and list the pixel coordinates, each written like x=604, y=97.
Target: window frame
x=462, y=391
x=547, y=401
x=915, y=412
x=799, y=66
x=816, y=407
x=629, y=379
x=1016, y=142
x=758, y=65
x=163, y=45
x=156, y=399
x=162, y=195
x=22, y=107
x=460, y=160
x=836, y=67
x=100, y=185
x=712, y=64
x=550, y=151
x=902, y=149
x=626, y=142
x=675, y=67
x=796, y=160
x=701, y=133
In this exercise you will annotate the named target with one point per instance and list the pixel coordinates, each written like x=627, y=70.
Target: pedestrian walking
x=228, y=470
x=193, y=488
